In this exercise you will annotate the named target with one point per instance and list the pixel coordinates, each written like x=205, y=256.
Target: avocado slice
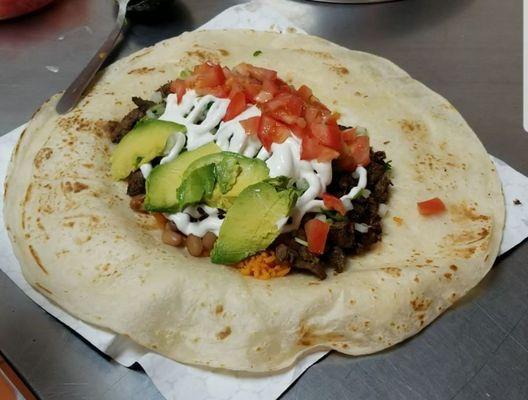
x=164, y=180
x=234, y=173
x=251, y=224
x=197, y=186
x=139, y=146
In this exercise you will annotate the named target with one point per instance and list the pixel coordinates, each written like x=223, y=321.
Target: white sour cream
x=194, y=114
x=285, y=160
x=231, y=136
x=146, y=169
x=176, y=143
x=199, y=228
x=361, y=174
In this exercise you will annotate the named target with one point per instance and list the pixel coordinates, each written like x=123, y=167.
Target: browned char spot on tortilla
x=37, y=259
x=392, y=271
x=448, y=276
x=142, y=53
x=420, y=304
x=398, y=220
x=338, y=69
x=463, y=212
x=27, y=196
x=43, y=288
x=321, y=54
x=224, y=333
x=141, y=71
x=308, y=338
x=465, y=252
x=43, y=154
x=453, y=267
x=74, y=187
x=413, y=129
x=223, y=52
x=203, y=55
x=219, y=309
x=19, y=141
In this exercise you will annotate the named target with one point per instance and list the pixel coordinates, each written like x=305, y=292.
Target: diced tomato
x=217, y=91
x=284, y=116
x=178, y=87
x=327, y=134
x=251, y=125
x=236, y=106
x=431, y=207
x=261, y=74
x=298, y=131
x=305, y=92
x=251, y=90
x=263, y=96
x=300, y=122
x=312, y=114
x=355, y=152
x=348, y=135
x=360, y=150
x=316, y=233
x=334, y=203
x=271, y=131
x=312, y=149
x=288, y=102
x=208, y=75
x=270, y=86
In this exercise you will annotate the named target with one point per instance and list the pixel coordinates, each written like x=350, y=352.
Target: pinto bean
x=209, y=240
x=171, y=237
x=136, y=203
x=194, y=245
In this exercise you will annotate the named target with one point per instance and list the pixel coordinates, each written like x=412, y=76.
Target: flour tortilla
x=81, y=245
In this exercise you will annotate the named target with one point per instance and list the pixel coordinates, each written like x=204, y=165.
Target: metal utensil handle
x=73, y=93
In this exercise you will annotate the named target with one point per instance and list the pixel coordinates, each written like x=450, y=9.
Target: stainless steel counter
x=468, y=50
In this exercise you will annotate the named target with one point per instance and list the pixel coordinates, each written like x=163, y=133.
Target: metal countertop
x=470, y=51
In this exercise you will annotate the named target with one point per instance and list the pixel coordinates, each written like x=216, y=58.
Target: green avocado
x=234, y=173
x=251, y=224
x=197, y=186
x=164, y=180
x=146, y=141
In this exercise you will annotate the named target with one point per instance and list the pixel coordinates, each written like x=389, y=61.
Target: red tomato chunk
x=431, y=207
x=334, y=203
x=316, y=233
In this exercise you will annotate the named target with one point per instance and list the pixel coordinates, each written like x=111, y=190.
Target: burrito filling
x=240, y=166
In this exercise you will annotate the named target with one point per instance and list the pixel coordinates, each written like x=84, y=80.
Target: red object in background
x=14, y=8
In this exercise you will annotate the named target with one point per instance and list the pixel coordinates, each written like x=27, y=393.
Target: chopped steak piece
x=341, y=235
x=343, y=238
x=314, y=268
x=142, y=104
x=129, y=120
x=336, y=259
x=164, y=90
x=136, y=183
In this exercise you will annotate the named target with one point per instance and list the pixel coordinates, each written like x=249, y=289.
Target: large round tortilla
x=81, y=245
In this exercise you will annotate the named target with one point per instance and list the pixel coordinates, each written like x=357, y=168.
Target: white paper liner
x=183, y=382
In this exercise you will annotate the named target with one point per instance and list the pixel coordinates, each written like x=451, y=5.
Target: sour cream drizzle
x=210, y=224
x=202, y=115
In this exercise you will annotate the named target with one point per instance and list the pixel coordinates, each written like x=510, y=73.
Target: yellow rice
x=263, y=265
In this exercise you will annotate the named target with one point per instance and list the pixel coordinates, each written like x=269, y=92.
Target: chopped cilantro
x=257, y=53
x=388, y=165
x=185, y=73
x=332, y=215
